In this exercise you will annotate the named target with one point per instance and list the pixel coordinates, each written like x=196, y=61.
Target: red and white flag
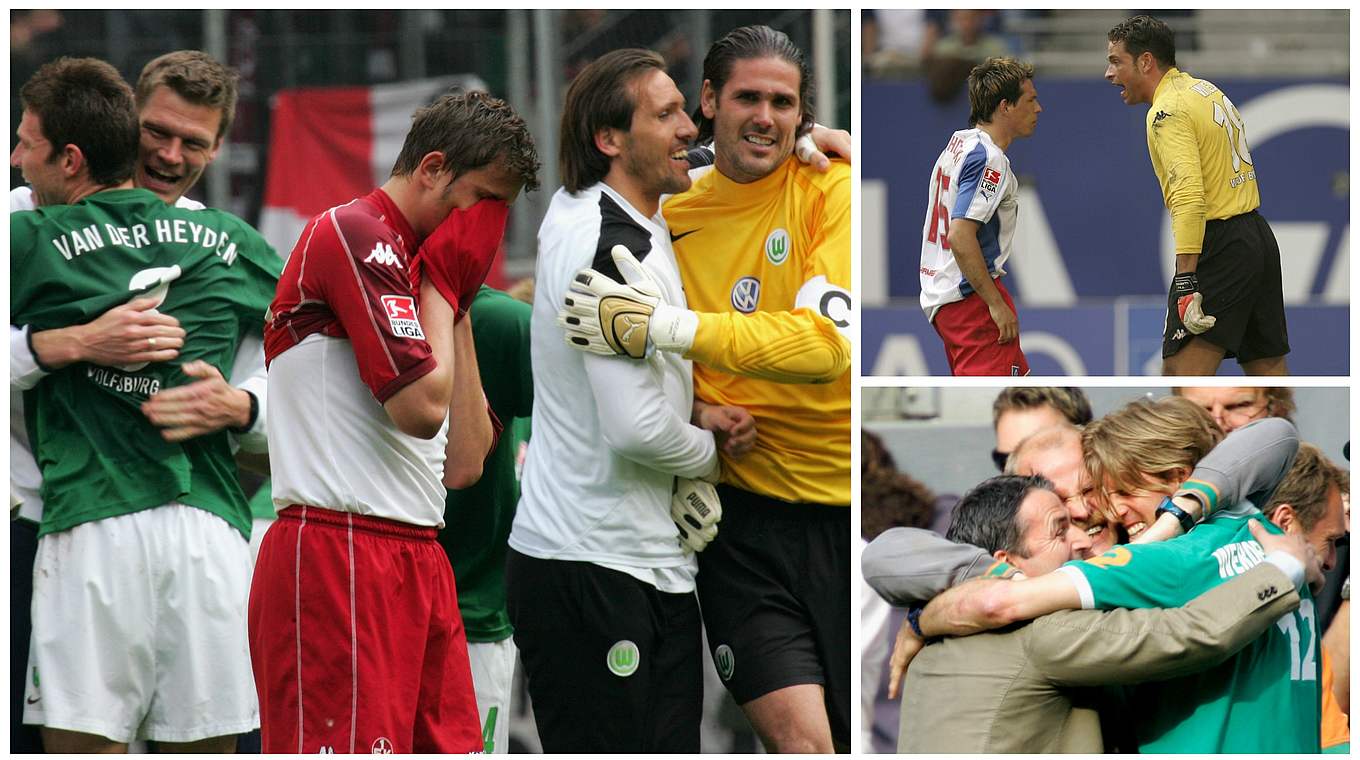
x=328, y=145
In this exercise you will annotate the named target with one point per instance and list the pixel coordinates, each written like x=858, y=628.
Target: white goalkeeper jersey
x=972, y=179
x=609, y=433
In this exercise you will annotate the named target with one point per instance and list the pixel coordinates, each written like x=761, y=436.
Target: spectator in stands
x=966, y=44
x=1232, y=408
x=1020, y=411
x=895, y=41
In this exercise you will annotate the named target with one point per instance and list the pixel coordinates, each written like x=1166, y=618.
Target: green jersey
x=1265, y=699
x=477, y=519
x=99, y=455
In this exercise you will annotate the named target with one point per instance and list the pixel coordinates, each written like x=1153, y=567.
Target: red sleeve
x=349, y=277
x=457, y=256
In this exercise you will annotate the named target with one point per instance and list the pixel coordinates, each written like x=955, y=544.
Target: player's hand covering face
x=458, y=254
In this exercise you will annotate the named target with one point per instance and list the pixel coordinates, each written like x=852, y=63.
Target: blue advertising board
x=1123, y=337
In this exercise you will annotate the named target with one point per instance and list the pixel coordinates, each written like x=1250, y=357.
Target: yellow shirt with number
x=767, y=266
x=1199, y=151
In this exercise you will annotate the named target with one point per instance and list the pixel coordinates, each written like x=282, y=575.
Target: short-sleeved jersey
x=477, y=519
x=1198, y=146
x=582, y=498
x=766, y=264
x=24, y=478
x=98, y=454
x=972, y=179
x=1264, y=699
x=343, y=337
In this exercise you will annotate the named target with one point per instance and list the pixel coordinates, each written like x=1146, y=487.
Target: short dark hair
x=992, y=81
x=85, y=102
x=602, y=96
x=471, y=129
x=745, y=43
x=1145, y=34
x=1071, y=403
x=195, y=76
x=988, y=515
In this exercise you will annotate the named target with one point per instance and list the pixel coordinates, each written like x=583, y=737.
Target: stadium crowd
x=685, y=360
x=1154, y=526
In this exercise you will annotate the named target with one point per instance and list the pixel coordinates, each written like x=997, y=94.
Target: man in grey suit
x=1029, y=687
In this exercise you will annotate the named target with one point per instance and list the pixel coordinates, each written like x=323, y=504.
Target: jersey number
x=1226, y=116
x=1302, y=666
x=489, y=732
x=939, y=215
x=158, y=279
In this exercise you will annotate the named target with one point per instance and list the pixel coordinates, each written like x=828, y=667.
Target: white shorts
x=493, y=676
x=139, y=629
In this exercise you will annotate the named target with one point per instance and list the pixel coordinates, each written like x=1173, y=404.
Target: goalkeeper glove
x=602, y=316
x=1190, y=303
x=696, y=511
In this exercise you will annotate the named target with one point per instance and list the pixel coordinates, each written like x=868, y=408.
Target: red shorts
x=355, y=639
x=970, y=335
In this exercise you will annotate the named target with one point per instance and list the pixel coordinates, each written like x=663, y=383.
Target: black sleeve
x=618, y=228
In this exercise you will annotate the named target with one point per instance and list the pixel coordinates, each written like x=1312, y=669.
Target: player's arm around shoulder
x=912, y=566
x=810, y=342
x=984, y=604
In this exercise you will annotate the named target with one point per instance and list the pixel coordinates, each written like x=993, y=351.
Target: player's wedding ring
x=151, y=344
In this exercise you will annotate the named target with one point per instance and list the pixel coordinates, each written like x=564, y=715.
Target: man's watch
x=1169, y=507
x=254, y=415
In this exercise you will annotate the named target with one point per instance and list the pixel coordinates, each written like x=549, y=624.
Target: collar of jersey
x=1171, y=74
x=751, y=191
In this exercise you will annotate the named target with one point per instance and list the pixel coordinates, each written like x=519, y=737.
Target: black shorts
x=613, y=664
x=775, y=591
x=1239, y=277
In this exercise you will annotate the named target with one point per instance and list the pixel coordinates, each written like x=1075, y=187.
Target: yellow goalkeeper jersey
x=1198, y=146
x=767, y=266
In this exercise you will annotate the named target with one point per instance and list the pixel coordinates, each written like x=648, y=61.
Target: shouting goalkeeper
x=1226, y=298
x=763, y=244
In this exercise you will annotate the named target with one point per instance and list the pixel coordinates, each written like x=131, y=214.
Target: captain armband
x=831, y=301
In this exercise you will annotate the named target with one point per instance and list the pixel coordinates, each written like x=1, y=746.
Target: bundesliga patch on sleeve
x=990, y=179
x=401, y=314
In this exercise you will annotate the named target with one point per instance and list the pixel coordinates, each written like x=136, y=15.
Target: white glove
x=602, y=316
x=696, y=511
x=1189, y=303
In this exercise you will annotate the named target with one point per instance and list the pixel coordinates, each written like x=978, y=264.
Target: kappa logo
x=746, y=295
x=778, y=246
x=726, y=661
x=1180, y=334
x=623, y=659
x=381, y=746
x=383, y=254
x=401, y=315
x=1160, y=115
x=326, y=749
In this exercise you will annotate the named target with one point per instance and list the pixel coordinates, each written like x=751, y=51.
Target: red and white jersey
x=972, y=179
x=342, y=337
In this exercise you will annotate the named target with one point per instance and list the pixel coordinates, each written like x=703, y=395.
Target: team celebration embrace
x=1170, y=575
